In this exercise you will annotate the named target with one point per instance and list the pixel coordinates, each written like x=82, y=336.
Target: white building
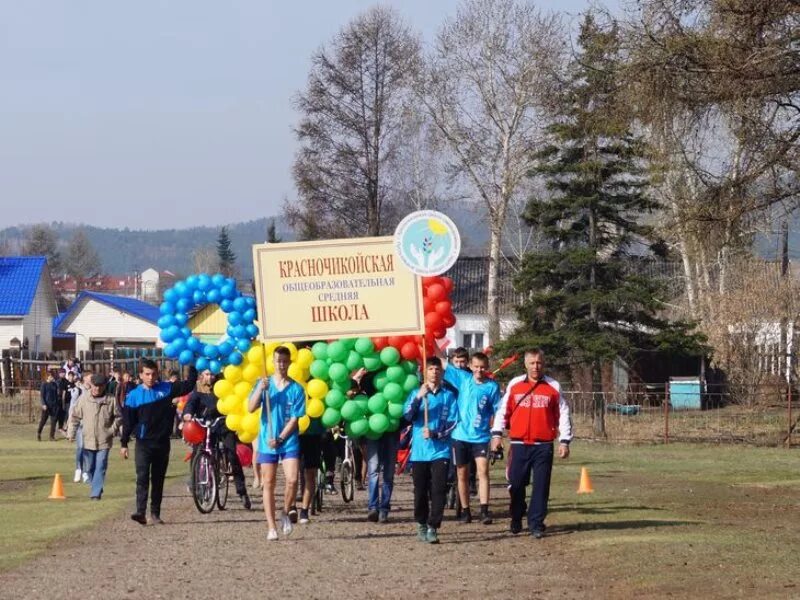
x=102, y=321
x=27, y=304
x=152, y=282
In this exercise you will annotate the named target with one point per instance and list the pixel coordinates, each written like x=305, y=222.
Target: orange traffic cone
x=57, y=492
x=585, y=485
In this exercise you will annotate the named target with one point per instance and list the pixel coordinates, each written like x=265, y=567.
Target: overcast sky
x=162, y=114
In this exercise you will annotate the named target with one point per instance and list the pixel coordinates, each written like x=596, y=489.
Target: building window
x=473, y=339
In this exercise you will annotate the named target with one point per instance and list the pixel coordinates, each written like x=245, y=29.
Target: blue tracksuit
x=477, y=403
x=442, y=418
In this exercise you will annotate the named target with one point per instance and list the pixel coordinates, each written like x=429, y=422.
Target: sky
x=163, y=114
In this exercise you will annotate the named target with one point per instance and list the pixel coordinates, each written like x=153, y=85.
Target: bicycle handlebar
x=206, y=423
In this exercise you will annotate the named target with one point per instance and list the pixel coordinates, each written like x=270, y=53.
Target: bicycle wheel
x=223, y=479
x=319, y=493
x=204, y=479
x=347, y=481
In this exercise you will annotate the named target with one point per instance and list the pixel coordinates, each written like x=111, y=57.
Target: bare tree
x=41, y=240
x=485, y=86
x=205, y=260
x=352, y=114
x=82, y=259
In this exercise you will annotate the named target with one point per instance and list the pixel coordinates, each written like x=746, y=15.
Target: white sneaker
x=272, y=535
x=287, y=525
x=77, y=477
x=85, y=478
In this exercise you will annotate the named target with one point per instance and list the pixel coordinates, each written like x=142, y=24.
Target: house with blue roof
x=27, y=304
x=104, y=321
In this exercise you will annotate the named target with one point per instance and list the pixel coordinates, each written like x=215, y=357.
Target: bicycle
x=347, y=470
x=210, y=471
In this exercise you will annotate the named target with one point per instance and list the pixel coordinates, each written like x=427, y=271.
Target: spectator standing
x=51, y=406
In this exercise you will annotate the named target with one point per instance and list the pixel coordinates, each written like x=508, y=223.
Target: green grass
x=681, y=519
x=29, y=522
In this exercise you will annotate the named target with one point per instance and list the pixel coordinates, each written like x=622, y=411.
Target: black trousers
x=53, y=419
x=430, y=491
x=152, y=460
x=524, y=459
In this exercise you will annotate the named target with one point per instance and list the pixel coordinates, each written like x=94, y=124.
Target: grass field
x=29, y=522
x=679, y=520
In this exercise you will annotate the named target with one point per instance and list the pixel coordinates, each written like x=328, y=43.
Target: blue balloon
x=229, y=331
x=210, y=351
x=243, y=345
x=213, y=296
x=228, y=292
x=179, y=344
x=184, y=304
x=201, y=364
x=235, y=358
x=170, y=351
x=218, y=280
x=198, y=296
x=185, y=332
x=181, y=290
x=170, y=295
x=240, y=304
x=169, y=334
x=234, y=318
x=239, y=331
x=191, y=282
x=252, y=331
x=166, y=308
x=215, y=366
x=203, y=282
x=194, y=345
x=226, y=305
x=249, y=315
x=251, y=302
x=181, y=319
x=186, y=357
x=166, y=321
x=226, y=347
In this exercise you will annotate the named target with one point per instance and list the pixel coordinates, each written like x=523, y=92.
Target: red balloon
x=418, y=339
x=429, y=347
x=448, y=284
x=439, y=333
x=396, y=341
x=448, y=320
x=428, y=305
x=245, y=454
x=436, y=292
x=431, y=280
x=445, y=307
x=380, y=343
x=409, y=351
x=194, y=433
x=433, y=320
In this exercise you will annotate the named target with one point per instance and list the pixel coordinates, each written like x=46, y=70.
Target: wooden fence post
x=666, y=415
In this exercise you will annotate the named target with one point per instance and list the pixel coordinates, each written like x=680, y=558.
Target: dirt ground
x=338, y=554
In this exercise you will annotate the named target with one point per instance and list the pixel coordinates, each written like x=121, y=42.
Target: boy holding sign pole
x=431, y=447
x=283, y=402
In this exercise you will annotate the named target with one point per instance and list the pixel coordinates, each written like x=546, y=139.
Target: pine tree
x=42, y=241
x=272, y=234
x=227, y=258
x=82, y=259
x=583, y=302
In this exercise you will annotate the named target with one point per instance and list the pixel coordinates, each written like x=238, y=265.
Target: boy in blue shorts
x=279, y=440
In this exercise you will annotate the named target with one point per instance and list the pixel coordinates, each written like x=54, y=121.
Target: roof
x=19, y=278
x=132, y=306
x=56, y=324
x=470, y=275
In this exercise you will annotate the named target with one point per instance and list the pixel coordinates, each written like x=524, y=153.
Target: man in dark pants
x=51, y=406
x=431, y=447
x=535, y=413
x=148, y=416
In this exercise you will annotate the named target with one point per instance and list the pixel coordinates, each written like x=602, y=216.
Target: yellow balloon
x=251, y=423
x=223, y=388
x=233, y=421
x=232, y=373
x=269, y=349
x=296, y=372
x=242, y=389
x=304, y=358
x=250, y=373
x=255, y=354
x=243, y=407
x=317, y=388
x=292, y=349
x=315, y=408
x=246, y=437
x=303, y=423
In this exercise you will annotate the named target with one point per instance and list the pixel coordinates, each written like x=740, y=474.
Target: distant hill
x=126, y=250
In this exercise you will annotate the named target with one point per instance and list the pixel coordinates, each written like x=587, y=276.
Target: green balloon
x=335, y=399
x=338, y=372
x=411, y=383
x=351, y=411
x=378, y=423
x=364, y=346
x=395, y=410
x=337, y=352
x=359, y=427
x=377, y=404
x=393, y=392
x=320, y=350
x=319, y=369
x=389, y=356
x=372, y=435
x=396, y=374
x=331, y=417
x=394, y=425
x=354, y=361
x=372, y=362
x=348, y=343
x=342, y=386
x=410, y=366
x=362, y=402
x=380, y=381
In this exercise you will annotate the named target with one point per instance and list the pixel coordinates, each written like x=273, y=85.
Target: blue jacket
x=442, y=418
x=477, y=403
x=288, y=403
x=148, y=414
